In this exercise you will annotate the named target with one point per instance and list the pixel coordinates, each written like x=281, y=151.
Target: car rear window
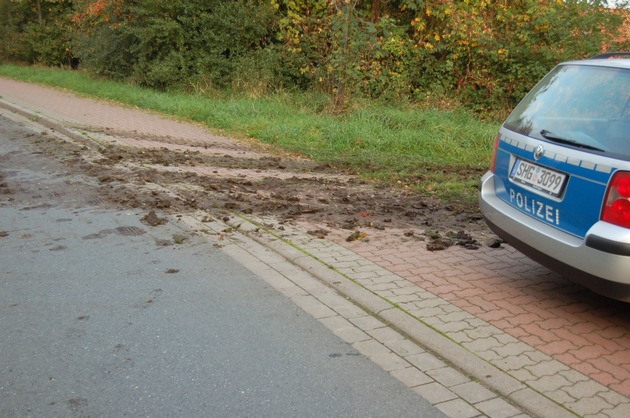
x=579, y=105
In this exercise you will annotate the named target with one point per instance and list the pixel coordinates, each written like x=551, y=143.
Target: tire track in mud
x=180, y=174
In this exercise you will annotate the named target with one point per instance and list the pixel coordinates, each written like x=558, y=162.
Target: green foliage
x=165, y=43
x=494, y=51
x=12, y=46
x=484, y=54
x=36, y=31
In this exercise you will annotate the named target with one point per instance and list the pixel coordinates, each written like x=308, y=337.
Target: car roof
x=611, y=59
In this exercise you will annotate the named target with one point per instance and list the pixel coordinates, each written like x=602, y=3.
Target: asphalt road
x=103, y=315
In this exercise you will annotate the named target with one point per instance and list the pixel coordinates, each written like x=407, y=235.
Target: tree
x=37, y=31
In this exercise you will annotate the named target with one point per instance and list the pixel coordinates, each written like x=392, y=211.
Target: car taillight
x=617, y=204
x=493, y=164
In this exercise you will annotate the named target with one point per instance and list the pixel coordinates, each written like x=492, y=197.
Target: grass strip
x=436, y=152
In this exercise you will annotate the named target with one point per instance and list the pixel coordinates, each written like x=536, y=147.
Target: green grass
x=437, y=152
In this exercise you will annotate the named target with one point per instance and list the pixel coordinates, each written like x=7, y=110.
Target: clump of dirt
x=153, y=219
x=461, y=238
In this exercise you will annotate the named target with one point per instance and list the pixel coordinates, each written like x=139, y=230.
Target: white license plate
x=540, y=178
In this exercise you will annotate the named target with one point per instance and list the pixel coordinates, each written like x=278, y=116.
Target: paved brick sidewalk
x=532, y=329
x=555, y=337
x=587, y=333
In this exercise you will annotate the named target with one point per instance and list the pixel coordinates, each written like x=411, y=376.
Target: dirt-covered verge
x=174, y=175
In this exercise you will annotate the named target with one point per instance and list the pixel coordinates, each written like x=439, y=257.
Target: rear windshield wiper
x=556, y=138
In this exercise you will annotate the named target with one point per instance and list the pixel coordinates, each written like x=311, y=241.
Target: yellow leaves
x=503, y=53
x=418, y=24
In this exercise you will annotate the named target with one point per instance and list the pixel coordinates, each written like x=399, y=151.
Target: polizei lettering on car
x=535, y=207
x=562, y=202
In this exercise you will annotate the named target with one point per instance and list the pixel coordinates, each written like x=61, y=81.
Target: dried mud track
x=177, y=174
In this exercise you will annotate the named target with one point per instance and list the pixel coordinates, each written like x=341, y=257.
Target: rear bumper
x=598, y=239
x=586, y=262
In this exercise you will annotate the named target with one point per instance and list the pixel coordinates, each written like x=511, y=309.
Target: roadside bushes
x=165, y=43
x=484, y=54
x=36, y=32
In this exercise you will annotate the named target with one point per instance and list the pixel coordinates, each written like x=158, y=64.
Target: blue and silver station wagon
x=559, y=186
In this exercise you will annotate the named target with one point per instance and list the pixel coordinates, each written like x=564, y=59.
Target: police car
x=559, y=186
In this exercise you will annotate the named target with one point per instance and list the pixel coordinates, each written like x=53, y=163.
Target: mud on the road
x=177, y=175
